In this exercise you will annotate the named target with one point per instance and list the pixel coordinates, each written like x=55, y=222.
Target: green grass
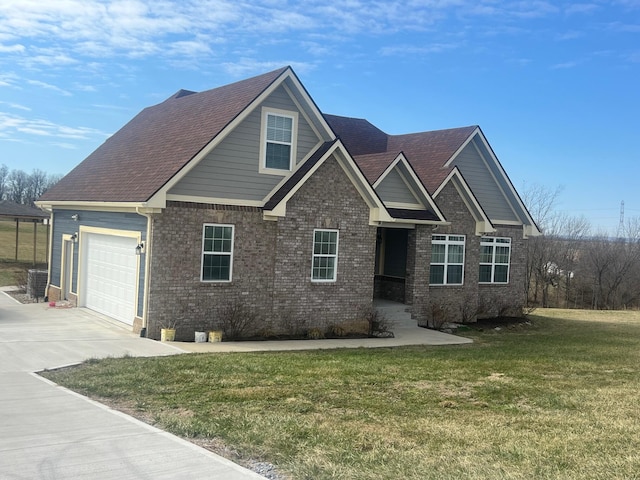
x=9, y=268
x=558, y=399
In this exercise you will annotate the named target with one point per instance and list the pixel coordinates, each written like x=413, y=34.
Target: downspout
x=50, y=247
x=147, y=269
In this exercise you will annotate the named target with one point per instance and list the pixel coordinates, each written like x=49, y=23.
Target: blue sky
x=555, y=86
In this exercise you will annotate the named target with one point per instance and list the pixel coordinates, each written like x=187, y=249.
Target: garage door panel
x=111, y=271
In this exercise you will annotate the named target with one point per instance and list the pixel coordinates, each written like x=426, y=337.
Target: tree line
x=571, y=266
x=24, y=188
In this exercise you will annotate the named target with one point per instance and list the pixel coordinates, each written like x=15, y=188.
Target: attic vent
x=183, y=93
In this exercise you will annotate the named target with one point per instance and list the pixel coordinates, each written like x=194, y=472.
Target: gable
x=146, y=153
x=393, y=189
x=483, y=182
x=231, y=171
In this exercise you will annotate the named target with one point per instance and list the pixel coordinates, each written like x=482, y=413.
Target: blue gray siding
x=231, y=169
x=64, y=224
x=477, y=174
x=394, y=189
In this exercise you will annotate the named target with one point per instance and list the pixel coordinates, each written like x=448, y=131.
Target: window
x=278, y=141
x=495, y=253
x=217, y=253
x=325, y=256
x=447, y=260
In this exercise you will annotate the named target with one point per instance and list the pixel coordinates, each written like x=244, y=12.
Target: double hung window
x=325, y=256
x=495, y=255
x=447, y=260
x=217, y=253
x=278, y=141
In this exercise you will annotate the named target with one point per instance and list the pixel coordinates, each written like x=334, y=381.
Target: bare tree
x=614, y=267
x=18, y=185
x=4, y=175
x=37, y=182
x=540, y=201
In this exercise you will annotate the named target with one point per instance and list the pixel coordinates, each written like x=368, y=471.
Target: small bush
x=315, y=334
x=238, y=321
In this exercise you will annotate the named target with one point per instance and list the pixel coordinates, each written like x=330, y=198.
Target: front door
x=391, y=264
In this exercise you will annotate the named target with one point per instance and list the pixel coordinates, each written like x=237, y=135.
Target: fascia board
x=95, y=206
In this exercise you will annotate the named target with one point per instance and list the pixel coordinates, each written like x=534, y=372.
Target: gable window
x=447, y=260
x=278, y=141
x=217, y=253
x=325, y=256
x=495, y=255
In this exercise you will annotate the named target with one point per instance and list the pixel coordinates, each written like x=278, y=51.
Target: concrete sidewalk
x=405, y=330
x=48, y=432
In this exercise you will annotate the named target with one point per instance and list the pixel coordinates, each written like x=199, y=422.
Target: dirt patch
x=499, y=323
x=22, y=297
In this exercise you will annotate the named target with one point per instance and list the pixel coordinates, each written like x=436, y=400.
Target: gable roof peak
x=182, y=93
x=140, y=158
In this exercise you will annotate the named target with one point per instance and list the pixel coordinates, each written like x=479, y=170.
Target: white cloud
x=16, y=127
x=16, y=48
x=413, y=50
x=138, y=29
x=247, y=66
x=565, y=65
x=581, y=8
x=67, y=146
x=48, y=86
x=16, y=106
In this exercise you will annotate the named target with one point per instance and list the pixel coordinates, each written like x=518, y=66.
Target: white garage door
x=110, y=269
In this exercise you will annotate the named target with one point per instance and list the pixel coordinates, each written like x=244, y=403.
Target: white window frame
x=447, y=241
x=315, y=256
x=266, y=112
x=214, y=253
x=494, y=242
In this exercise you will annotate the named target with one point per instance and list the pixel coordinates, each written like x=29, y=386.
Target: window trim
x=493, y=242
x=229, y=254
x=447, y=241
x=320, y=255
x=266, y=112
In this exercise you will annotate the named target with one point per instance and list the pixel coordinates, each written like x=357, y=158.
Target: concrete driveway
x=48, y=432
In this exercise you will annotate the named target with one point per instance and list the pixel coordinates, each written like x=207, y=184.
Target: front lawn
x=556, y=399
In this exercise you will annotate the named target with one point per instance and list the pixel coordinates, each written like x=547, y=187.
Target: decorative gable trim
x=483, y=224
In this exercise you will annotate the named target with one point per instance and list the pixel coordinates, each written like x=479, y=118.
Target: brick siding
x=271, y=262
x=432, y=305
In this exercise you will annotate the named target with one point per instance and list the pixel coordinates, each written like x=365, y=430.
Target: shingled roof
x=140, y=158
x=374, y=150
x=18, y=211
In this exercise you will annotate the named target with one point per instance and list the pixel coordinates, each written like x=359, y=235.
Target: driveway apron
x=48, y=432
